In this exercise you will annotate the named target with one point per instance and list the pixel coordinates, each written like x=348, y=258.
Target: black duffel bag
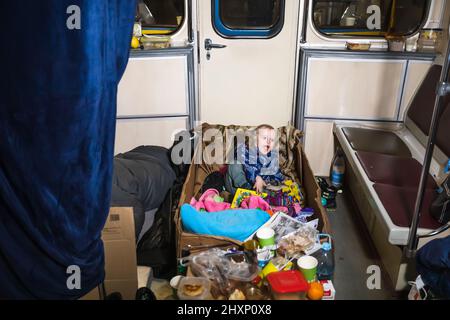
x=440, y=209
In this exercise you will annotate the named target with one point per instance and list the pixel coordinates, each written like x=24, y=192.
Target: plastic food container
x=430, y=40
x=396, y=43
x=194, y=288
x=155, y=42
x=288, y=285
x=241, y=267
x=357, y=46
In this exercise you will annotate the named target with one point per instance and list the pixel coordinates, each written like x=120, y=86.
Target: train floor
x=355, y=256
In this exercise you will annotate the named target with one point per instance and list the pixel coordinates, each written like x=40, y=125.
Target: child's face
x=266, y=140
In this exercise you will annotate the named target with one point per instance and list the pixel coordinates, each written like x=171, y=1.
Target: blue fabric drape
x=57, y=125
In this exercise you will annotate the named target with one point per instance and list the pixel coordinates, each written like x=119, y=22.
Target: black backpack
x=440, y=209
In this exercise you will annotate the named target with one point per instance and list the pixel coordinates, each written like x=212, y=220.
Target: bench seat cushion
x=393, y=170
x=399, y=203
x=377, y=141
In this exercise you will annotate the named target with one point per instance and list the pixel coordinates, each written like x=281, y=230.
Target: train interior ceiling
x=351, y=84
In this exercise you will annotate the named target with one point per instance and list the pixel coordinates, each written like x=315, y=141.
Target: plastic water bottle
x=442, y=179
x=338, y=170
x=325, y=268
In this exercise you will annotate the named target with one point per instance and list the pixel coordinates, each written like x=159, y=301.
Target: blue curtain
x=58, y=91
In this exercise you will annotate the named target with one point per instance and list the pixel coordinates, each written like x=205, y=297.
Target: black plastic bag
x=440, y=209
x=157, y=248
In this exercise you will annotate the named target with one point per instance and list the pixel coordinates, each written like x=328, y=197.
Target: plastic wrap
x=299, y=241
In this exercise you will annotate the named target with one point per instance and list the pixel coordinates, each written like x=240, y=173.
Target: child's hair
x=264, y=126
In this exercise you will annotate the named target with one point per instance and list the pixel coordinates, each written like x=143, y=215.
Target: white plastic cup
x=349, y=21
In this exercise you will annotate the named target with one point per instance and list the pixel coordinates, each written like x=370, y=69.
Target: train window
x=248, y=18
x=369, y=18
x=160, y=16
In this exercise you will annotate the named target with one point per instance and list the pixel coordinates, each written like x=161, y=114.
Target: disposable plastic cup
x=308, y=267
x=266, y=237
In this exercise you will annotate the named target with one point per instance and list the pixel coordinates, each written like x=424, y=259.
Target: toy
x=289, y=196
x=292, y=189
x=242, y=194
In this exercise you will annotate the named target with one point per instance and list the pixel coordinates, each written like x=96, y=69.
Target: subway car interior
x=225, y=150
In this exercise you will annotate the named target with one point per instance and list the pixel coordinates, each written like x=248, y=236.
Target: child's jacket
x=256, y=164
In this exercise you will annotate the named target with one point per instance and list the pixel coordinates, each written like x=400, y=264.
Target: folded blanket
x=237, y=224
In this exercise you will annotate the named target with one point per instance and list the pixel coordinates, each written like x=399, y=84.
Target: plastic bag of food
x=242, y=266
x=299, y=241
x=213, y=265
x=226, y=270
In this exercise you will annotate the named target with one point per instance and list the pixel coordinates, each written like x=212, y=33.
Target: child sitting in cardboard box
x=257, y=165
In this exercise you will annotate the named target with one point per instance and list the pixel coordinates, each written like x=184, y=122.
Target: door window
x=248, y=18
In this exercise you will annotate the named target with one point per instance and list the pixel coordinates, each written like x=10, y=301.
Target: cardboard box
x=329, y=293
x=120, y=255
x=197, y=174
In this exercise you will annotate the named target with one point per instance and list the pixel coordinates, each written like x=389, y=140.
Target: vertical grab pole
x=443, y=89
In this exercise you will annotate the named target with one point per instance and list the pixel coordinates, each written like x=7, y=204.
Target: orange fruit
x=315, y=291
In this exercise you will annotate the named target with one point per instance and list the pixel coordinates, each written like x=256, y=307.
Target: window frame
x=234, y=33
x=366, y=36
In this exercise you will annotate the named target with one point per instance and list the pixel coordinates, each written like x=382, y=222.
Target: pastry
x=192, y=290
x=237, y=295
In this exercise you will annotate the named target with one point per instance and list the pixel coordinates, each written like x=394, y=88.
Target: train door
x=247, y=55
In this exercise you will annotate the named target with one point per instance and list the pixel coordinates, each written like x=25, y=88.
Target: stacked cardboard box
x=120, y=255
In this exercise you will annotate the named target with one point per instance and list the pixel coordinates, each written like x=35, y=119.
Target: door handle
x=210, y=45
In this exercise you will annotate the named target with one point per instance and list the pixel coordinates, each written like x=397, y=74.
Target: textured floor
x=354, y=253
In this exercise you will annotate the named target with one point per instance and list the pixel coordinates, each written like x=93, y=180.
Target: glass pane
x=160, y=16
x=408, y=16
x=352, y=17
x=250, y=14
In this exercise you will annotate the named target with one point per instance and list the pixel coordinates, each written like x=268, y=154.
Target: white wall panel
x=154, y=86
x=319, y=145
x=131, y=133
x=417, y=71
x=354, y=89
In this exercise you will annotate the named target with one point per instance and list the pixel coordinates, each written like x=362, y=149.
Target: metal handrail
x=305, y=21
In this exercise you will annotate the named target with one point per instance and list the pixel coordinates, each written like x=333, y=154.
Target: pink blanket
x=208, y=202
